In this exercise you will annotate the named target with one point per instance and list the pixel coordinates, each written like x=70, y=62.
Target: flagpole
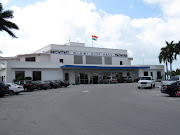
x=92, y=42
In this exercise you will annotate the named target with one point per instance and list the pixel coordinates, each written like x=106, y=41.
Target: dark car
x=125, y=79
x=64, y=83
x=42, y=85
x=4, y=89
x=28, y=85
x=172, y=88
x=137, y=79
x=59, y=83
x=53, y=84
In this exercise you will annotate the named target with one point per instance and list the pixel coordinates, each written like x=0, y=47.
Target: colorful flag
x=94, y=37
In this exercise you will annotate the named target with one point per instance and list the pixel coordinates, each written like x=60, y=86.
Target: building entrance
x=94, y=78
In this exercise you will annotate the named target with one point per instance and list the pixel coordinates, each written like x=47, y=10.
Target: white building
x=76, y=63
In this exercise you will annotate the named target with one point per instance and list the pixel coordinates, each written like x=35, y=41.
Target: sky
x=139, y=26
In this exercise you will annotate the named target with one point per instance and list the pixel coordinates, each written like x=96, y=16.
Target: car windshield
x=145, y=78
x=53, y=81
x=174, y=78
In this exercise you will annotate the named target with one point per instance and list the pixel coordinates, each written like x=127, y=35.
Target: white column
x=84, y=59
x=103, y=60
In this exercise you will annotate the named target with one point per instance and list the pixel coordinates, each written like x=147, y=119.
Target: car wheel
x=11, y=92
x=138, y=87
x=154, y=86
x=151, y=86
x=39, y=88
x=1, y=95
x=16, y=93
x=176, y=93
x=25, y=89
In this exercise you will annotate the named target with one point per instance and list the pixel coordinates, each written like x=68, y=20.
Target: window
x=67, y=76
x=19, y=75
x=128, y=74
x=93, y=60
x=81, y=78
x=178, y=84
x=121, y=63
x=78, y=59
x=152, y=74
x=36, y=75
x=158, y=74
x=108, y=77
x=145, y=73
x=108, y=60
x=32, y=59
x=61, y=60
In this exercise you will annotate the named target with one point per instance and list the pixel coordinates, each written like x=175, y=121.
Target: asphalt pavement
x=101, y=109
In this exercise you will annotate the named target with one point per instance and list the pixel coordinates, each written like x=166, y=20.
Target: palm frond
x=1, y=8
x=6, y=25
x=9, y=32
x=7, y=14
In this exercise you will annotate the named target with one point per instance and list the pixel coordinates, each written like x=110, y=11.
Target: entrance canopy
x=102, y=67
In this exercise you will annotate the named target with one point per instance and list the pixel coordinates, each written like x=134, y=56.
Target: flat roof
x=33, y=54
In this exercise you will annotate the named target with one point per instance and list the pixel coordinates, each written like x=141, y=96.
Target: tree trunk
x=167, y=71
x=171, y=69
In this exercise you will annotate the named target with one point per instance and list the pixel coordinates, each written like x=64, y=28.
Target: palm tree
x=163, y=57
x=6, y=25
x=177, y=49
x=170, y=48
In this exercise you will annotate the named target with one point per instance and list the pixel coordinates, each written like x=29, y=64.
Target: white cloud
x=4, y=2
x=169, y=7
x=54, y=21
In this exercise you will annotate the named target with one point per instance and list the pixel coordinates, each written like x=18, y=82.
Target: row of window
x=158, y=74
x=79, y=60
x=92, y=60
x=20, y=75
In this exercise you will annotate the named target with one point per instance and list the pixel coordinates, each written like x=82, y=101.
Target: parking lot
x=100, y=109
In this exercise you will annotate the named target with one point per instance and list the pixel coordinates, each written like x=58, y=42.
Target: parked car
x=146, y=82
x=125, y=79
x=14, y=88
x=64, y=83
x=27, y=85
x=108, y=79
x=42, y=85
x=179, y=92
x=172, y=88
x=137, y=79
x=4, y=89
x=59, y=83
x=53, y=84
x=172, y=79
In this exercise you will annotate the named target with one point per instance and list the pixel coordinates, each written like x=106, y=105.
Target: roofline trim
x=101, y=67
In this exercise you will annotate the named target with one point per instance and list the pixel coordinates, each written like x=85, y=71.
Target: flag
x=94, y=37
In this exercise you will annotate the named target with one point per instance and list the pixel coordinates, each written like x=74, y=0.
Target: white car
x=146, y=82
x=14, y=88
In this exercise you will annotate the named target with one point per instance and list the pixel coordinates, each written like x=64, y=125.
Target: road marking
x=85, y=91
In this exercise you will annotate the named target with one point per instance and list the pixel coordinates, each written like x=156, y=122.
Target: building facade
x=76, y=63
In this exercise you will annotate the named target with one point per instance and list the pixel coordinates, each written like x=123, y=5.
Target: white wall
x=116, y=61
x=67, y=59
x=43, y=58
x=154, y=69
